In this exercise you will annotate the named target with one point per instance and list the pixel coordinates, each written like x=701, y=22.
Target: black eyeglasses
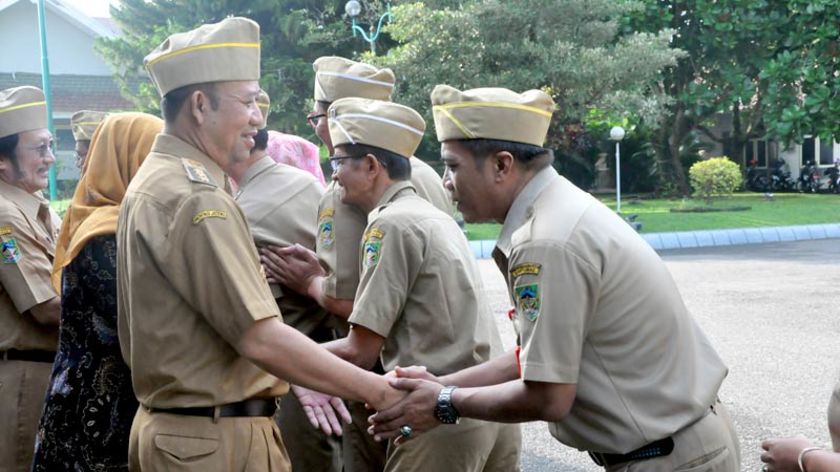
x=335, y=161
x=314, y=119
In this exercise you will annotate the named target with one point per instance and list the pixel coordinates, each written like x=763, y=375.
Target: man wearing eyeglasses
x=420, y=297
x=29, y=307
x=340, y=228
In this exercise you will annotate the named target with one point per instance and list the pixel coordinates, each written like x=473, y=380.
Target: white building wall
x=70, y=48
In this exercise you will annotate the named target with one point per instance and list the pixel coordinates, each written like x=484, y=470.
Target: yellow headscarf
x=117, y=148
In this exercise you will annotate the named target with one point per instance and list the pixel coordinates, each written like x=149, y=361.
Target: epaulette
x=197, y=172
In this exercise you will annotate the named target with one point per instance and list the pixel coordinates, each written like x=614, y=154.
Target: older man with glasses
x=29, y=307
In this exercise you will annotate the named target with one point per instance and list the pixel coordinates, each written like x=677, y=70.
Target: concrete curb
x=710, y=238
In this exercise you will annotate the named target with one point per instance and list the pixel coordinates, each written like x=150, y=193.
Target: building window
x=808, y=151
x=762, y=151
x=826, y=152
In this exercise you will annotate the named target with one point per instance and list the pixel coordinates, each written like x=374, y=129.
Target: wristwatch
x=445, y=411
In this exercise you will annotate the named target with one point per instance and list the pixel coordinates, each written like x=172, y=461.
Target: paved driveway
x=773, y=313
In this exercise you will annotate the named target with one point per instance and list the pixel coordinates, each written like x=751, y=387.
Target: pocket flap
x=185, y=447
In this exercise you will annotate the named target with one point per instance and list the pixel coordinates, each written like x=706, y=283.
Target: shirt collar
x=522, y=207
x=257, y=168
x=29, y=203
x=177, y=147
x=393, y=191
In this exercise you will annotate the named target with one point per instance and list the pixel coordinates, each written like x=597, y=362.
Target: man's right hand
x=294, y=266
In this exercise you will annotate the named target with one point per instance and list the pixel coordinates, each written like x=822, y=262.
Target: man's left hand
x=322, y=410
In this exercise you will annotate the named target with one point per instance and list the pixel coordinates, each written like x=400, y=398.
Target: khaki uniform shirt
x=340, y=228
x=28, y=232
x=421, y=288
x=596, y=307
x=279, y=202
x=189, y=284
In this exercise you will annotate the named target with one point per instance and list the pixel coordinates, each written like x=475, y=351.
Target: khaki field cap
x=264, y=103
x=219, y=52
x=385, y=125
x=491, y=113
x=337, y=77
x=84, y=123
x=22, y=109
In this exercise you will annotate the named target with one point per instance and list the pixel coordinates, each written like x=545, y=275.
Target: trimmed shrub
x=714, y=177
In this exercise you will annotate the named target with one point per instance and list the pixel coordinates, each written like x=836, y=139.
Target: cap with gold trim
x=337, y=77
x=220, y=52
x=264, y=103
x=83, y=123
x=390, y=126
x=491, y=113
x=22, y=109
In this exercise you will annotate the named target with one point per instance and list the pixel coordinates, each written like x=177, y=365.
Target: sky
x=95, y=8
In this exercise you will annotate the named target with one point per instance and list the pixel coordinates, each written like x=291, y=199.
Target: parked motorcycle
x=833, y=175
x=757, y=180
x=780, y=179
x=809, y=178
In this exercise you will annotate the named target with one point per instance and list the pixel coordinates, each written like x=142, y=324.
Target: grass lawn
x=655, y=216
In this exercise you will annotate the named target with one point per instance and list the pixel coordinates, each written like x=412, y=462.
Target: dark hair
x=399, y=167
x=530, y=156
x=261, y=140
x=8, y=144
x=173, y=101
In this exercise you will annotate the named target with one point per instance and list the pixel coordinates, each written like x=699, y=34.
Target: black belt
x=660, y=448
x=28, y=355
x=252, y=407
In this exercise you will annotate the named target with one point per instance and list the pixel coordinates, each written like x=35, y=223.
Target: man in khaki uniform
x=278, y=202
x=609, y=354
x=198, y=325
x=419, y=299
x=340, y=228
x=29, y=307
x=83, y=123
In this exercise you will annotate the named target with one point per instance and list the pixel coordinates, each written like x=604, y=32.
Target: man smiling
x=198, y=325
x=29, y=307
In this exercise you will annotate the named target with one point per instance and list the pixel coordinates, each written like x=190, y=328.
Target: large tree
x=574, y=50
x=770, y=65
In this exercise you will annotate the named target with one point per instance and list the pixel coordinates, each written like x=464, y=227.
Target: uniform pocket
x=186, y=448
x=710, y=462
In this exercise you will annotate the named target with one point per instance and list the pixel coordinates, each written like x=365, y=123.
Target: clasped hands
x=415, y=409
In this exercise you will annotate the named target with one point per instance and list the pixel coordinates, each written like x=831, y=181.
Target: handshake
x=411, y=407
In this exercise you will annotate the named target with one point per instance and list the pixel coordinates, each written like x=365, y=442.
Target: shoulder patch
x=326, y=235
x=10, y=251
x=4, y=230
x=196, y=171
x=202, y=215
x=527, y=268
x=528, y=301
x=326, y=213
x=374, y=233
x=372, y=247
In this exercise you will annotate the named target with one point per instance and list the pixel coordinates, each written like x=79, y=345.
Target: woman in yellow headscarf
x=90, y=403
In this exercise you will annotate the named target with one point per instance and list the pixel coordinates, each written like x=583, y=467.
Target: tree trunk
x=679, y=130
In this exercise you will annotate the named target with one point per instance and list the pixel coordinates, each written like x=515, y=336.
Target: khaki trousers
x=470, y=446
x=361, y=452
x=709, y=445
x=179, y=443
x=23, y=387
x=309, y=448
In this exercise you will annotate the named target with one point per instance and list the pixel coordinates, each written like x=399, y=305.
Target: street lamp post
x=617, y=134
x=353, y=8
